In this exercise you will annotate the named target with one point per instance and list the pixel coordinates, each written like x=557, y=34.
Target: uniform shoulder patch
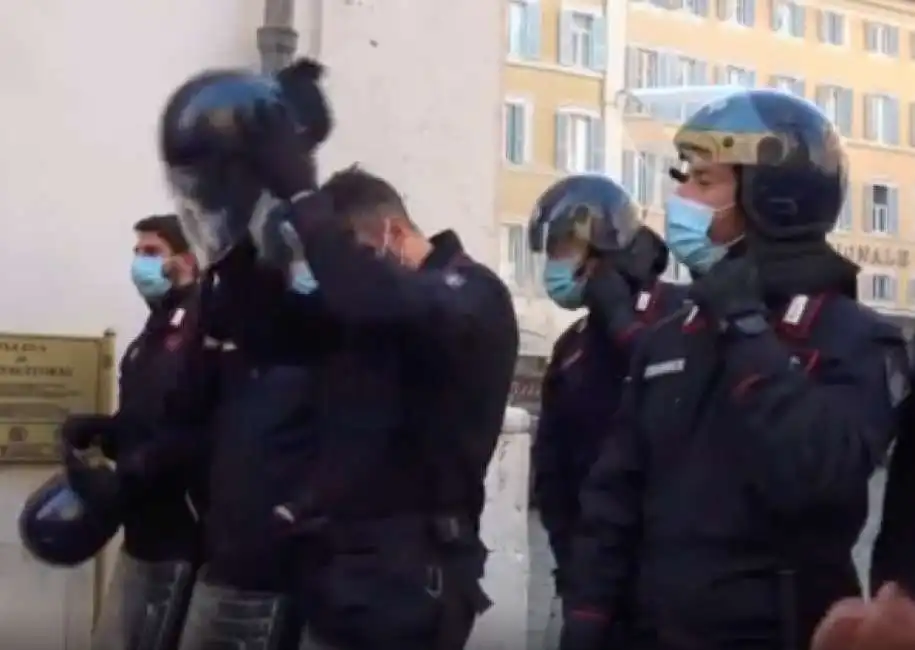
x=454, y=279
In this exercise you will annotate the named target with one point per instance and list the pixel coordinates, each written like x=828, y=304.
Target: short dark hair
x=356, y=193
x=166, y=226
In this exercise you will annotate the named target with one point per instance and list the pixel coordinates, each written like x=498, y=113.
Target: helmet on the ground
x=598, y=214
x=791, y=166
x=73, y=515
x=220, y=201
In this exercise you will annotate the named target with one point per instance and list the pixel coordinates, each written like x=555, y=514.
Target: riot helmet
x=584, y=216
x=790, y=166
x=73, y=515
x=220, y=201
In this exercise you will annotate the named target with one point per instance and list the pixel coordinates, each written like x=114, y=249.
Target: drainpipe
x=277, y=39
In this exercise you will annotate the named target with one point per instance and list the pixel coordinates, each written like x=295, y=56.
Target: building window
x=912, y=45
x=881, y=209
x=831, y=28
x=877, y=287
x=912, y=124
x=642, y=68
x=579, y=142
x=910, y=292
x=518, y=267
x=844, y=222
x=516, y=132
x=880, y=38
x=734, y=76
x=788, y=84
x=739, y=12
x=676, y=272
x=640, y=176
x=838, y=105
x=582, y=40
x=788, y=18
x=696, y=7
x=524, y=29
x=881, y=119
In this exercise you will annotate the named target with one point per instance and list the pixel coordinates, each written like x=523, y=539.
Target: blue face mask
x=302, y=279
x=686, y=231
x=147, y=275
x=562, y=286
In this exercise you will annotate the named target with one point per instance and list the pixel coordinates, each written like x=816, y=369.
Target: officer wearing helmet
x=722, y=511
x=599, y=256
x=338, y=375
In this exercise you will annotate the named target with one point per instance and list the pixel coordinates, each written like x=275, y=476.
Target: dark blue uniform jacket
x=160, y=524
x=722, y=511
x=581, y=392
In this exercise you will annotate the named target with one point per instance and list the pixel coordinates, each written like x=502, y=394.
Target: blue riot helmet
x=791, y=167
x=596, y=216
x=220, y=201
x=73, y=515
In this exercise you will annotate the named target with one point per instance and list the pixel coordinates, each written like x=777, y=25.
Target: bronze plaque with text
x=42, y=380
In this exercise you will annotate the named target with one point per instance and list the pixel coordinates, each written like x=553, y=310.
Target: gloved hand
x=84, y=431
x=609, y=297
x=730, y=292
x=274, y=150
x=580, y=633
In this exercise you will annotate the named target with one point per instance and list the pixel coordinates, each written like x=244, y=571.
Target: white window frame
x=786, y=9
x=581, y=38
x=527, y=145
x=522, y=276
x=788, y=80
x=844, y=31
x=846, y=220
x=734, y=15
x=882, y=39
x=879, y=101
x=728, y=69
x=880, y=214
x=883, y=279
x=512, y=52
x=574, y=113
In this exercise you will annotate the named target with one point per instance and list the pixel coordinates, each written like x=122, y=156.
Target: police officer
x=152, y=581
x=599, y=256
x=348, y=459
x=722, y=511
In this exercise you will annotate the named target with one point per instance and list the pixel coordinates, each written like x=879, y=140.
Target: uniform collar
x=446, y=245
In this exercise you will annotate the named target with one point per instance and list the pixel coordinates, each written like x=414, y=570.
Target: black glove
x=731, y=294
x=275, y=151
x=608, y=296
x=583, y=633
x=84, y=431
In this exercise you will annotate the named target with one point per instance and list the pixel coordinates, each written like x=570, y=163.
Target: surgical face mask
x=562, y=286
x=686, y=231
x=302, y=280
x=148, y=276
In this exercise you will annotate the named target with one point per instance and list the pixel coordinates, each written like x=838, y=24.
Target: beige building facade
x=570, y=79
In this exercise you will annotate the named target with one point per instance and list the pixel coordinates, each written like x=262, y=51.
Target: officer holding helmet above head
x=353, y=375
x=598, y=256
x=722, y=511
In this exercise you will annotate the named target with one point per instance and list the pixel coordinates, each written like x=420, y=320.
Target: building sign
x=868, y=255
x=42, y=380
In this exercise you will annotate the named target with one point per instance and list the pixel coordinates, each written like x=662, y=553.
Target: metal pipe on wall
x=277, y=38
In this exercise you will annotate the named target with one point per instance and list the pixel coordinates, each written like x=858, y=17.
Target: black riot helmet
x=73, y=515
x=599, y=213
x=220, y=202
x=791, y=167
